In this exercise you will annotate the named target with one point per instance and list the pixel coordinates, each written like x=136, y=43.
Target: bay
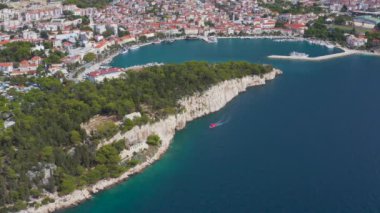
x=308, y=141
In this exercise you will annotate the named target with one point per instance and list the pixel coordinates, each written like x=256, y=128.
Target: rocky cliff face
x=195, y=106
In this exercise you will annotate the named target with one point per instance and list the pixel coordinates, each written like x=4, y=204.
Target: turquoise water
x=309, y=141
x=224, y=50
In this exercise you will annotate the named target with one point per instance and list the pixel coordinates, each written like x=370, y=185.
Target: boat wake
x=219, y=123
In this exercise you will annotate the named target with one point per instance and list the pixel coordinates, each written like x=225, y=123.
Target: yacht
x=298, y=54
x=330, y=46
x=212, y=39
x=134, y=47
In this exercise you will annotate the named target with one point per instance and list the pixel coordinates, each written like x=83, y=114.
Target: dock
x=318, y=58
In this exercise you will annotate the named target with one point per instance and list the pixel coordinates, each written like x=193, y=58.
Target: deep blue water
x=309, y=141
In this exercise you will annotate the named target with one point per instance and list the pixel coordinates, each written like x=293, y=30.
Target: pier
x=346, y=52
x=318, y=58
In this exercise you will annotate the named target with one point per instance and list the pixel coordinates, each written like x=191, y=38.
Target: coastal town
x=67, y=40
x=88, y=132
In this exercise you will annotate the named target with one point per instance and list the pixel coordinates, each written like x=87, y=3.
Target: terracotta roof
x=36, y=58
x=4, y=42
x=24, y=63
x=295, y=26
x=104, y=72
x=6, y=64
x=101, y=44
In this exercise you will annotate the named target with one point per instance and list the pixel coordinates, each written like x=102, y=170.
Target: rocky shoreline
x=195, y=106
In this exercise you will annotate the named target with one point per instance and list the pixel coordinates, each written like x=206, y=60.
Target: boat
x=157, y=42
x=190, y=37
x=170, y=40
x=213, y=125
x=125, y=51
x=212, y=39
x=330, y=46
x=104, y=66
x=298, y=54
x=134, y=47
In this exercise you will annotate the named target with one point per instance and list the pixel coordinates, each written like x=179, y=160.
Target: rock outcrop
x=195, y=106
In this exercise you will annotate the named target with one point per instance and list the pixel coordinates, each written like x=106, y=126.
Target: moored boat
x=298, y=54
x=134, y=47
x=212, y=39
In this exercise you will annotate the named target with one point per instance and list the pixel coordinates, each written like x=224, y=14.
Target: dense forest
x=283, y=7
x=48, y=151
x=319, y=30
x=21, y=50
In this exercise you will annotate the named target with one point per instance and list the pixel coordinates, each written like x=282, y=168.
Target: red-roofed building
x=36, y=60
x=18, y=72
x=26, y=66
x=296, y=28
x=100, y=75
x=101, y=46
x=6, y=68
x=72, y=59
x=355, y=42
x=4, y=37
x=126, y=39
x=2, y=43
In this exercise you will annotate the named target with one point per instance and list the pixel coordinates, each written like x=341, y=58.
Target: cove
x=309, y=141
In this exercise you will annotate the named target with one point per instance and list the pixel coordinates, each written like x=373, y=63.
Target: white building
x=4, y=37
x=355, y=42
x=26, y=34
x=100, y=28
x=191, y=31
x=6, y=68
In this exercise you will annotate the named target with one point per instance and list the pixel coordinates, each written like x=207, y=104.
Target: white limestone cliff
x=195, y=106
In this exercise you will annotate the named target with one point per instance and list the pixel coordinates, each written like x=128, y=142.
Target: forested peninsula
x=54, y=148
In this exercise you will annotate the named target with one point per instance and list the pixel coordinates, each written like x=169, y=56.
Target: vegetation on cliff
x=48, y=151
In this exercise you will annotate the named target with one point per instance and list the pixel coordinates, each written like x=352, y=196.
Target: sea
x=308, y=141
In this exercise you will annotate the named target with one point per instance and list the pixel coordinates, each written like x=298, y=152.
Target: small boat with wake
x=218, y=123
x=213, y=125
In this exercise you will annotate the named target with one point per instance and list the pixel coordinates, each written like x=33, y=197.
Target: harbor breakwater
x=347, y=52
x=195, y=106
